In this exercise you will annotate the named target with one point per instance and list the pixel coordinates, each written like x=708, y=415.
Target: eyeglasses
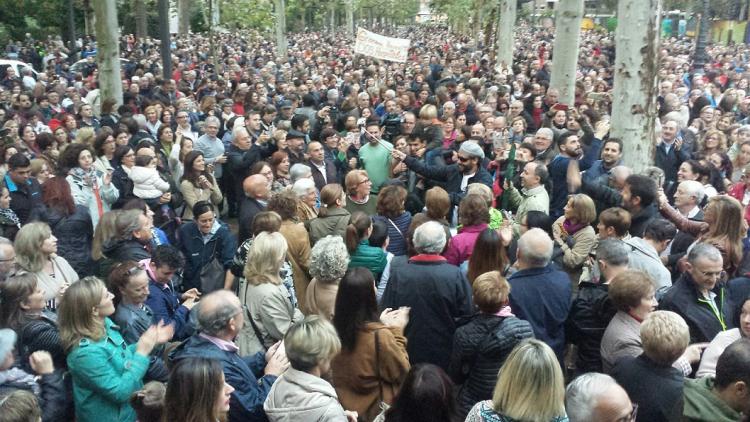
x=463, y=159
x=363, y=181
x=631, y=417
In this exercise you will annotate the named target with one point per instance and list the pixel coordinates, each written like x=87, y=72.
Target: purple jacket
x=462, y=244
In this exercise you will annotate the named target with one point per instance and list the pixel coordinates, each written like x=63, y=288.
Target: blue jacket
x=542, y=297
x=558, y=173
x=245, y=374
x=165, y=306
x=222, y=245
x=105, y=373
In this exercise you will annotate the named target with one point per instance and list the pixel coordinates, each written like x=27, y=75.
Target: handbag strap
x=252, y=322
x=377, y=366
x=397, y=229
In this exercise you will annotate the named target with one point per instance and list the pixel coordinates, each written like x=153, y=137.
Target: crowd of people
x=331, y=237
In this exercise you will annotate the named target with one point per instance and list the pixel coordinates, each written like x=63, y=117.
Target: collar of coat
x=427, y=258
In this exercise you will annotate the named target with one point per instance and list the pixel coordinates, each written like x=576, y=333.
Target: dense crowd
x=330, y=237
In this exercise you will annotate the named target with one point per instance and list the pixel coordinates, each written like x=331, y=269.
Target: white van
x=18, y=66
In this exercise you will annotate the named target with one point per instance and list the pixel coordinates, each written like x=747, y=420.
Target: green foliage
x=38, y=17
x=246, y=14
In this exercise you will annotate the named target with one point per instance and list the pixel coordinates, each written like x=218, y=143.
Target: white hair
x=582, y=395
x=695, y=189
x=299, y=171
x=302, y=187
x=429, y=238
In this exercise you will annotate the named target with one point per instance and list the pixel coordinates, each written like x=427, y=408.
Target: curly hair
x=391, y=201
x=285, y=204
x=329, y=259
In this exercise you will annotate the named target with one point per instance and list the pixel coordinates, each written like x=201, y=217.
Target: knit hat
x=472, y=149
x=7, y=342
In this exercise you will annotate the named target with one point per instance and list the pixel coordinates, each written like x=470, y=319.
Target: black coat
x=589, y=316
x=640, y=219
x=53, y=397
x=680, y=245
x=74, y=233
x=40, y=334
x=124, y=185
x=449, y=174
x=331, y=174
x=198, y=254
x=670, y=162
x=685, y=299
x=479, y=350
x=656, y=389
x=26, y=201
x=438, y=294
x=249, y=208
x=125, y=250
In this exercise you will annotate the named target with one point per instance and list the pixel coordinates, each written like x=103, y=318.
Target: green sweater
x=702, y=403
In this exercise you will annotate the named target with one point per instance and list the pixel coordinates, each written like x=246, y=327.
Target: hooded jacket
x=147, y=184
x=299, y=396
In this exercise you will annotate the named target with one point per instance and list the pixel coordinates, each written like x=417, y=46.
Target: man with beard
x=601, y=170
x=455, y=177
x=570, y=149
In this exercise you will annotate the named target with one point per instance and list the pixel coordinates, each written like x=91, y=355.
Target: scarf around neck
x=88, y=177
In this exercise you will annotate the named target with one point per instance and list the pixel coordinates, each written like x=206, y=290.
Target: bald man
x=254, y=201
x=220, y=320
x=540, y=293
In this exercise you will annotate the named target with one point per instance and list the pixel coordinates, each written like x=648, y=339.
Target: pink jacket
x=462, y=244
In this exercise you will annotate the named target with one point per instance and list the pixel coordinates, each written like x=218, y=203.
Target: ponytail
x=328, y=197
x=356, y=230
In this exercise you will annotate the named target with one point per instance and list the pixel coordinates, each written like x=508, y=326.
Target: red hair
x=56, y=194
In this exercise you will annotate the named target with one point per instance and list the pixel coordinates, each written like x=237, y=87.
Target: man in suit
x=256, y=195
x=323, y=170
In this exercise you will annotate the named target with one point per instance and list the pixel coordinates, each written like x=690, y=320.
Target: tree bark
x=350, y=16
x=635, y=87
x=568, y=15
x=281, y=29
x=108, y=54
x=140, y=19
x=166, y=41
x=183, y=17
x=505, y=26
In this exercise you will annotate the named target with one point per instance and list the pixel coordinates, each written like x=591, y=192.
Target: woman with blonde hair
x=36, y=252
x=574, y=236
x=301, y=393
x=712, y=142
x=269, y=304
x=530, y=388
x=104, y=370
x=358, y=186
x=722, y=227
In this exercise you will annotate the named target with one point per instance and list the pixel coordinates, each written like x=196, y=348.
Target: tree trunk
x=108, y=55
x=141, y=30
x=281, y=30
x=635, y=88
x=89, y=20
x=71, y=28
x=332, y=16
x=183, y=17
x=350, y=16
x=166, y=41
x=505, y=26
x=568, y=15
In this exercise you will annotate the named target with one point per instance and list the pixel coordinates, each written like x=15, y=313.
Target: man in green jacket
x=533, y=195
x=726, y=397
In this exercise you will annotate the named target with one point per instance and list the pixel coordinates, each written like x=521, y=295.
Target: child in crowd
x=147, y=184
